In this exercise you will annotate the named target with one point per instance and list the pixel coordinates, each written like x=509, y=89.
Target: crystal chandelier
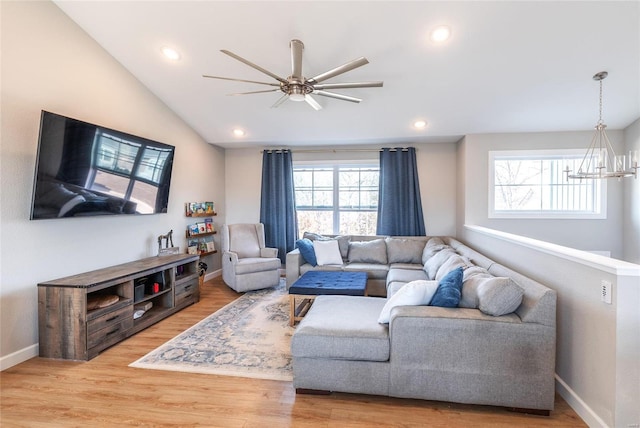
x=601, y=161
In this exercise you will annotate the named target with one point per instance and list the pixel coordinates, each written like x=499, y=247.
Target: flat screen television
x=89, y=170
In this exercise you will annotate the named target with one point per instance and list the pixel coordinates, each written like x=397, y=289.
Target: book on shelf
x=201, y=227
x=194, y=229
x=198, y=208
x=208, y=224
x=192, y=249
x=210, y=246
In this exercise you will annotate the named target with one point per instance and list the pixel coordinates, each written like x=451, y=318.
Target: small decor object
x=202, y=268
x=168, y=239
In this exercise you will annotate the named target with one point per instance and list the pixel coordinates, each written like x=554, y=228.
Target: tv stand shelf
x=75, y=323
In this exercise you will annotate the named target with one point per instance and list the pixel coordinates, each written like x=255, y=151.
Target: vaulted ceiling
x=507, y=67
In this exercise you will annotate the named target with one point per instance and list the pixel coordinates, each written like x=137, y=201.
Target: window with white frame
x=533, y=184
x=336, y=199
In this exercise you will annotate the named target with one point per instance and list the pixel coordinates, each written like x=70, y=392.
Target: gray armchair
x=246, y=263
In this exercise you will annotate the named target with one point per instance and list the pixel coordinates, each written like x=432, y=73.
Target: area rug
x=250, y=337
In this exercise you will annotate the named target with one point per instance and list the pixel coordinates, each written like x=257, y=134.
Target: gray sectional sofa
x=474, y=354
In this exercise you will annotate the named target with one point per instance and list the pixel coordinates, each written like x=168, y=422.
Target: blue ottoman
x=316, y=283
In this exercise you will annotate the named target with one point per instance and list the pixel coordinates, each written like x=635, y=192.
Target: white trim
x=19, y=356
x=578, y=405
x=605, y=264
x=538, y=214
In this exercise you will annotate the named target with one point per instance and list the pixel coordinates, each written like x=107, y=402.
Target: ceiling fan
x=296, y=87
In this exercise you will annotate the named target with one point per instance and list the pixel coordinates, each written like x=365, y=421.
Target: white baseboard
x=578, y=405
x=214, y=274
x=18, y=357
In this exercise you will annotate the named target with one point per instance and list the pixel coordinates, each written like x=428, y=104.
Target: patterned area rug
x=250, y=337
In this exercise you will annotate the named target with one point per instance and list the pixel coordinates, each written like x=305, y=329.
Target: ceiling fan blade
x=339, y=70
x=349, y=85
x=257, y=67
x=313, y=103
x=296, y=59
x=254, y=92
x=280, y=100
x=240, y=80
x=337, y=96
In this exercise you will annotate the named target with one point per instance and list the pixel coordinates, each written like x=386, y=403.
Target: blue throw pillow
x=449, y=290
x=306, y=250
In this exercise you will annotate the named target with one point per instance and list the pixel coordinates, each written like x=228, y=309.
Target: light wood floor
x=105, y=392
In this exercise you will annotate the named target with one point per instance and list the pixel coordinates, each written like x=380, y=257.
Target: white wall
x=631, y=223
x=436, y=170
x=587, y=235
x=49, y=63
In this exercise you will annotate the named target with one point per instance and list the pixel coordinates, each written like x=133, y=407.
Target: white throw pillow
x=413, y=293
x=327, y=252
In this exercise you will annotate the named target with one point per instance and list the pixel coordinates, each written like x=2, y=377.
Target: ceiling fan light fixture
x=296, y=93
x=296, y=97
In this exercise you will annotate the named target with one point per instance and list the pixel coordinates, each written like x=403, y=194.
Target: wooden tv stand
x=70, y=329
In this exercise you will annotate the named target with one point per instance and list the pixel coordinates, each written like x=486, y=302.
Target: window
x=337, y=199
x=533, y=184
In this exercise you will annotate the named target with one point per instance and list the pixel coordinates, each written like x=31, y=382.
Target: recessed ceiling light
x=440, y=34
x=238, y=132
x=170, y=53
x=419, y=124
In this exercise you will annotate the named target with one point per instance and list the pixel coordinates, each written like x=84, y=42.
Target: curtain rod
x=404, y=149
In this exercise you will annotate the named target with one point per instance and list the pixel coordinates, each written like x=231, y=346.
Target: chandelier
x=601, y=161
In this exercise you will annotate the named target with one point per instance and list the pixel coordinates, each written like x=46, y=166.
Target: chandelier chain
x=600, y=118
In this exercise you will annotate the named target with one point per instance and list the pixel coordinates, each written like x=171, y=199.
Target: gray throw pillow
x=374, y=251
x=499, y=296
x=433, y=264
x=450, y=264
x=472, y=278
x=432, y=246
x=343, y=241
x=400, y=250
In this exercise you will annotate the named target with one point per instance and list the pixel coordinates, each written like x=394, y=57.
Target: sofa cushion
x=343, y=241
x=471, y=279
x=405, y=275
x=327, y=252
x=344, y=328
x=402, y=250
x=499, y=296
x=374, y=251
x=331, y=268
x=373, y=270
x=433, y=264
x=406, y=266
x=450, y=264
x=449, y=290
x=412, y=293
x=306, y=251
x=432, y=246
